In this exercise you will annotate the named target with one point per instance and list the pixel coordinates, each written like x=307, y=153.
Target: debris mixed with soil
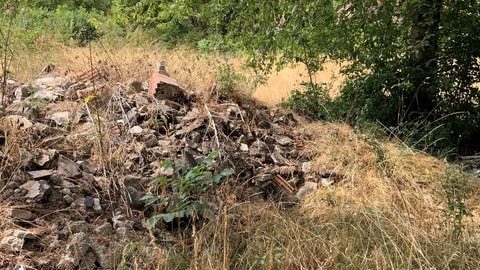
x=78, y=154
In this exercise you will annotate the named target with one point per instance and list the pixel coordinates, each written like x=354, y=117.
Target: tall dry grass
x=387, y=212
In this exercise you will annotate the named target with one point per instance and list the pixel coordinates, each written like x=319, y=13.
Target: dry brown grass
x=385, y=213
x=195, y=72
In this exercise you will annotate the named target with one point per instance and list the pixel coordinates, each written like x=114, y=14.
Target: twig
x=211, y=122
x=277, y=179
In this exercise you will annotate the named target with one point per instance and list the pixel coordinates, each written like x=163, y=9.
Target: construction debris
x=91, y=151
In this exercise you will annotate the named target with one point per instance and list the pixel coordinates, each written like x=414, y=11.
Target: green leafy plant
x=456, y=191
x=228, y=79
x=313, y=101
x=274, y=259
x=186, y=185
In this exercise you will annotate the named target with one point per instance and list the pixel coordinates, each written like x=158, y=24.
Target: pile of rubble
x=68, y=147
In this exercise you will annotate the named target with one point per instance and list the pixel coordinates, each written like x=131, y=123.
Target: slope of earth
x=80, y=147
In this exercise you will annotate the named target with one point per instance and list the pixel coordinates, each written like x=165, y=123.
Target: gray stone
x=88, y=202
x=327, y=181
x=78, y=253
x=67, y=167
x=243, y=147
x=68, y=199
x=76, y=227
x=133, y=197
x=42, y=156
x=258, y=148
x=307, y=189
x=60, y=118
x=70, y=186
x=151, y=140
x=21, y=214
x=306, y=167
x=193, y=139
x=37, y=190
x=282, y=140
x=278, y=158
x=136, y=130
x=40, y=173
x=15, y=240
x=26, y=158
x=96, y=205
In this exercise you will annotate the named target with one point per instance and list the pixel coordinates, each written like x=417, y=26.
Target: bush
x=79, y=25
x=313, y=101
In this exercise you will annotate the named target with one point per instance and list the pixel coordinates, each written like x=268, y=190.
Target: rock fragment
x=37, y=190
x=67, y=167
x=307, y=189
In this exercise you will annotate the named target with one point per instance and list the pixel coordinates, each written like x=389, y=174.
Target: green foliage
x=228, y=79
x=89, y=5
x=456, y=191
x=187, y=185
x=269, y=261
x=313, y=101
x=78, y=25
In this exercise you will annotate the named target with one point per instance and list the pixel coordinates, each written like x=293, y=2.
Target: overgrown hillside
x=144, y=134
x=81, y=148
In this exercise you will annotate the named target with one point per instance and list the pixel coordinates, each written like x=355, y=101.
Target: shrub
x=313, y=101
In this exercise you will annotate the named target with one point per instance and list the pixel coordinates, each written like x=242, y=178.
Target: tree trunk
x=423, y=60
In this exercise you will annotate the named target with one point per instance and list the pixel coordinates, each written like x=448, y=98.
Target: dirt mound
x=78, y=153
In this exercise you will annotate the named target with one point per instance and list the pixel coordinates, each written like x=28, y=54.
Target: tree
x=409, y=63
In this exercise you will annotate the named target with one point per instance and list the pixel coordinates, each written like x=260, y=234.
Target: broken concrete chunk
x=96, y=205
x=136, y=130
x=21, y=92
x=282, y=140
x=43, y=156
x=258, y=148
x=37, y=190
x=306, y=167
x=67, y=167
x=278, y=158
x=60, y=118
x=243, y=147
x=328, y=181
x=15, y=241
x=21, y=108
x=40, y=173
x=21, y=214
x=19, y=121
x=48, y=94
x=307, y=189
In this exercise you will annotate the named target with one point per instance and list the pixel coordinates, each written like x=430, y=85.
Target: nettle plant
x=186, y=185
